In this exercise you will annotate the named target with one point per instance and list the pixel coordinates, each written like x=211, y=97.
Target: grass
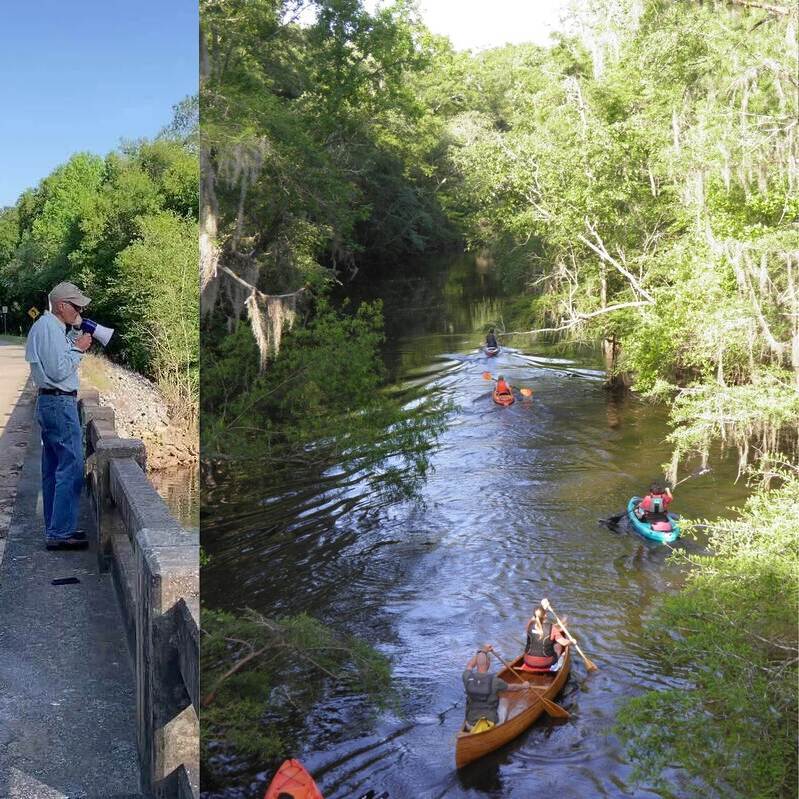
x=12, y=339
x=93, y=371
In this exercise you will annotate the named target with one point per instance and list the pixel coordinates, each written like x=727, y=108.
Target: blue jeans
x=62, y=463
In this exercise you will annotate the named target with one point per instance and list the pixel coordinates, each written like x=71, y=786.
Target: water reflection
x=180, y=489
x=508, y=516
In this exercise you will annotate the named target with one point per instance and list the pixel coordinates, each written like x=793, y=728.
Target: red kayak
x=491, y=351
x=292, y=781
x=503, y=399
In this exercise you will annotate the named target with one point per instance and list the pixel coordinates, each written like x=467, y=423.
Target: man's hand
x=83, y=342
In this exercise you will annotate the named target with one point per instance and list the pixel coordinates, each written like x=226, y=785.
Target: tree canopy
x=124, y=228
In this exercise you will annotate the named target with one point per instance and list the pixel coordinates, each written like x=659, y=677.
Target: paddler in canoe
x=545, y=642
x=482, y=691
x=491, y=340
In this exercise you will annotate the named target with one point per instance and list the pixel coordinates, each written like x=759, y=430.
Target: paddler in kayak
x=545, y=642
x=491, y=339
x=503, y=387
x=654, y=506
x=482, y=691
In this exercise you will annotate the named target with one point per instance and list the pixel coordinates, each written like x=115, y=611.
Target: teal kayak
x=645, y=528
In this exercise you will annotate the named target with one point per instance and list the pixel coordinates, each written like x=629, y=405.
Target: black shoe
x=75, y=541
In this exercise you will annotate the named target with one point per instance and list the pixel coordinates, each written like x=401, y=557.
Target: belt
x=57, y=392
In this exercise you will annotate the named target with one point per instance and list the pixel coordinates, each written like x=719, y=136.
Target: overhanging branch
x=600, y=249
x=257, y=292
x=579, y=318
x=764, y=6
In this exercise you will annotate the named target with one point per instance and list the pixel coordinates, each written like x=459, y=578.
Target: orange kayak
x=503, y=399
x=292, y=781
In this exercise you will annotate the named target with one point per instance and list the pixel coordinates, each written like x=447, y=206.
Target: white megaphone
x=97, y=331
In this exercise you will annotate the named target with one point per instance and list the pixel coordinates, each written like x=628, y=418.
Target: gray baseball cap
x=68, y=292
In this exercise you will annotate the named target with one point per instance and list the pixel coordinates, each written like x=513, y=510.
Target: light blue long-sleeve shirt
x=53, y=358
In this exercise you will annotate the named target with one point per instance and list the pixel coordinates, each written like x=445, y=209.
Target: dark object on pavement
x=65, y=581
x=75, y=542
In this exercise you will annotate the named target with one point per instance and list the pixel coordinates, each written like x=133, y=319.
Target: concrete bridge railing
x=155, y=567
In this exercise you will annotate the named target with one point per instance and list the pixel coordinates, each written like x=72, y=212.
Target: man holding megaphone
x=54, y=353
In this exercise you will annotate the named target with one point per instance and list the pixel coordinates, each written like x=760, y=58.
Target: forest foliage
x=646, y=195
x=123, y=228
x=260, y=674
x=320, y=172
x=312, y=168
x=731, y=636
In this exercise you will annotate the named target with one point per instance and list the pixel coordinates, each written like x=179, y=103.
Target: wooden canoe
x=503, y=399
x=492, y=351
x=294, y=781
x=517, y=710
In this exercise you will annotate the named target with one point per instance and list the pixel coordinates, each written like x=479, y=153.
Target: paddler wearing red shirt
x=655, y=502
x=502, y=386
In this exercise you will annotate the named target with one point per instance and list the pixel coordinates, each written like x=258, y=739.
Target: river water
x=180, y=489
x=508, y=516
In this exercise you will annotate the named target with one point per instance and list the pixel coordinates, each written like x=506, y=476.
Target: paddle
x=589, y=664
x=618, y=516
x=525, y=392
x=697, y=473
x=554, y=710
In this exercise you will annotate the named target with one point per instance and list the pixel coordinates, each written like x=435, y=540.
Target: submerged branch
x=235, y=668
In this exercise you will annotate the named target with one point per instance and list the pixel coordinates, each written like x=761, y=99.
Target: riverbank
x=141, y=411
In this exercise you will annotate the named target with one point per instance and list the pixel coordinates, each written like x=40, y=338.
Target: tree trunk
x=614, y=381
x=209, y=207
x=603, y=285
x=795, y=359
x=209, y=214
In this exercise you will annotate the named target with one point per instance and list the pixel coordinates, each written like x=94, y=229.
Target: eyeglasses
x=76, y=308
